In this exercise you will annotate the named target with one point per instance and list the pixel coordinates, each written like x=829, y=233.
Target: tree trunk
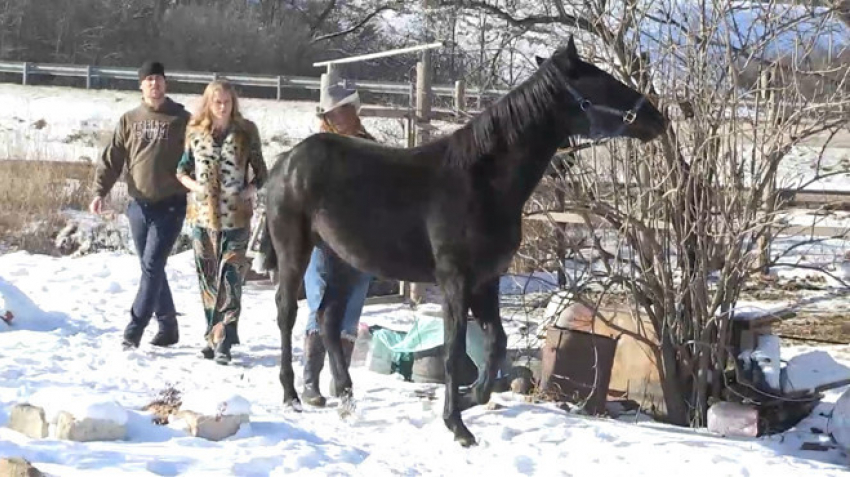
x=674, y=396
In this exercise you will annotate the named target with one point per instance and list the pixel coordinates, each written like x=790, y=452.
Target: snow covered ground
x=68, y=124
x=65, y=341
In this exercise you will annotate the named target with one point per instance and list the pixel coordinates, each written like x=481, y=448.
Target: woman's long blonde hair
x=203, y=119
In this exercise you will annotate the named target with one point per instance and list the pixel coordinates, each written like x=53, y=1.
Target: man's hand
x=96, y=205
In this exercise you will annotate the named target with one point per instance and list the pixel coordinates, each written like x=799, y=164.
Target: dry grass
x=32, y=195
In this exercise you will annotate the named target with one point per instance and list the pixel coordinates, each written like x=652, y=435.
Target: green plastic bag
x=427, y=333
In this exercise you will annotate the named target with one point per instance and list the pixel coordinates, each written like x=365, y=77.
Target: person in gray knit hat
x=145, y=148
x=338, y=113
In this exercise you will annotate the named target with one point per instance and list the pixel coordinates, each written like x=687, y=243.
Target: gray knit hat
x=336, y=96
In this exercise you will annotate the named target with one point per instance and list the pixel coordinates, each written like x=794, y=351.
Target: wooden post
x=423, y=97
x=279, y=88
x=88, y=76
x=327, y=79
x=460, y=97
x=423, y=118
x=26, y=73
x=411, y=116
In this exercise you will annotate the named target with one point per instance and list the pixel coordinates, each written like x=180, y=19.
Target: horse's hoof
x=466, y=440
x=347, y=406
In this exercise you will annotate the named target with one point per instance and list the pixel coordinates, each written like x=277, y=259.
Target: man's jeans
x=322, y=264
x=155, y=227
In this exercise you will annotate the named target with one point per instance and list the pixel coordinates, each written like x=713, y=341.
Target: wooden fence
x=458, y=92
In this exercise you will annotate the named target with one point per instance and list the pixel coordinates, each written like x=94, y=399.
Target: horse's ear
x=572, y=52
x=539, y=60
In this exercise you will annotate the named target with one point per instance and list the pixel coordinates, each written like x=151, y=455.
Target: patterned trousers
x=221, y=264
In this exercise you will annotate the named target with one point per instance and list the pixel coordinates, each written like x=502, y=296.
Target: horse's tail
x=267, y=249
x=265, y=257
x=265, y=260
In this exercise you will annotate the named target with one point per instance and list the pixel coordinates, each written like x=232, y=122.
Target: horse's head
x=603, y=106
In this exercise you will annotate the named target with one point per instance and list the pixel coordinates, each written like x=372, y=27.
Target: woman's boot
x=314, y=361
x=222, y=349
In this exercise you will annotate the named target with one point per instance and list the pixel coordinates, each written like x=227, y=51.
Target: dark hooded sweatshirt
x=146, y=146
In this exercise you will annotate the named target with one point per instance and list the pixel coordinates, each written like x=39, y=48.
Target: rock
x=18, y=467
x=733, y=419
x=521, y=385
x=214, y=428
x=29, y=420
x=88, y=429
x=840, y=425
x=494, y=406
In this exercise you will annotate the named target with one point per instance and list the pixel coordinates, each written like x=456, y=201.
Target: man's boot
x=168, y=333
x=314, y=361
x=133, y=332
x=347, y=351
x=222, y=348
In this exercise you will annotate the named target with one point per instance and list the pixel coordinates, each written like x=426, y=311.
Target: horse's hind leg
x=292, y=245
x=485, y=307
x=455, y=287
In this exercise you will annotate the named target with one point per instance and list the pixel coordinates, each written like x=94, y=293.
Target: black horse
x=447, y=212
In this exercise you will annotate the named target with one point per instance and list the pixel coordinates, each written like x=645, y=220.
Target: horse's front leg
x=455, y=288
x=485, y=307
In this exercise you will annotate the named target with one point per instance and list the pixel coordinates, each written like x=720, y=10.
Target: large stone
x=733, y=419
x=29, y=420
x=88, y=429
x=213, y=428
x=18, y=467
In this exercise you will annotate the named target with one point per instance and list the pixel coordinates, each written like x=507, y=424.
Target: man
x=146, y=147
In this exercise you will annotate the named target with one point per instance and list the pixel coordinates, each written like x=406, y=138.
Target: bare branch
x=354, y=27
x=527, y=21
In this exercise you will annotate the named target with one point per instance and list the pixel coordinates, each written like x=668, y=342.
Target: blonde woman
x=220, y=147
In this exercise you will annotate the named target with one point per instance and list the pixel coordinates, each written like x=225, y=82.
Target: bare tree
x=690, y=209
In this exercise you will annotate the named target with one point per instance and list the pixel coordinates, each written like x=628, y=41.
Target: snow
x=26, y=314
x=80, y=403
x=211, y=403
x=393, y=432
x=840, y=422
x=810, y=371
x=766, y=356
x=74, y=124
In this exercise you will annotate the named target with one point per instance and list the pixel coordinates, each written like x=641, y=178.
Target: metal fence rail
x=280, y=82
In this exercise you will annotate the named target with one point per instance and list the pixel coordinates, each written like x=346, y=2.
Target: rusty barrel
x=577, y=367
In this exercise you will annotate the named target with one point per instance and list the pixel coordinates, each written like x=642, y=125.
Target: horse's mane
x=525, y=106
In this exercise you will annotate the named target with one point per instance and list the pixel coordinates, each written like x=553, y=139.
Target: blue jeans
x=155, y=227
x=323, y=264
